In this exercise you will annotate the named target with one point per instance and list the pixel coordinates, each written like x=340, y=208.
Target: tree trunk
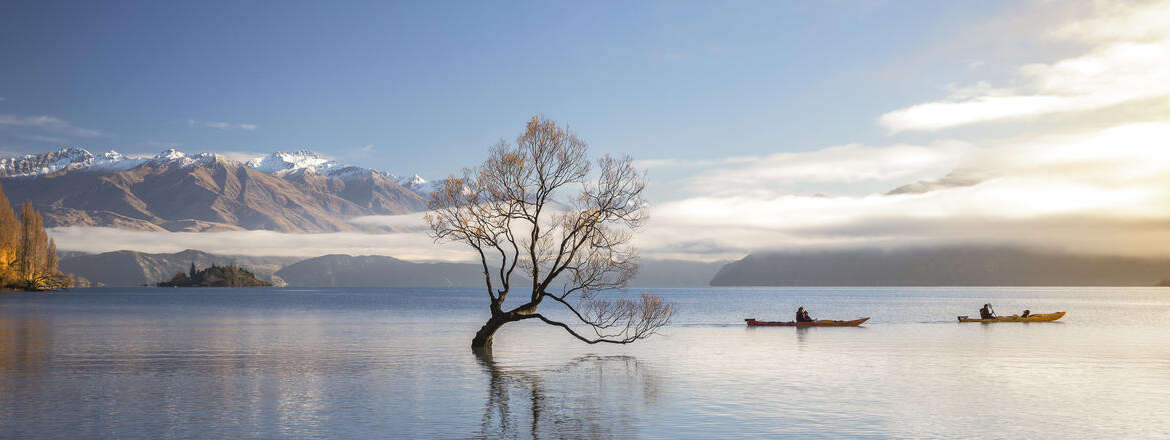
x=483, y=337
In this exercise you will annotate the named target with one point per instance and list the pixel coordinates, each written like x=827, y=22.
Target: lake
x=396, y=363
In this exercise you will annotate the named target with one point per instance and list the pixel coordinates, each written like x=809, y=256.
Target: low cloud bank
x=408, y=246
x=1106, y=192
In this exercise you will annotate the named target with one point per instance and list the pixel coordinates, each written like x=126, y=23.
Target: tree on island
x=215, y=276
x=28, y=257
x=572, y=249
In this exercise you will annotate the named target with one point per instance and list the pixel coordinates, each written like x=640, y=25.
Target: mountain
x=129, y=268
x=65, y=159
x=674, y=273
x=941, y=266
x=377, y=270
x=173, y=191
x=419, y=185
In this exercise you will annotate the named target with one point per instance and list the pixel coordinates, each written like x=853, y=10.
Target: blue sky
x=764, y=126
x=430, y=85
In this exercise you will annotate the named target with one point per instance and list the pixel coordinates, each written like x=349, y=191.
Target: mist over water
x=395, y=362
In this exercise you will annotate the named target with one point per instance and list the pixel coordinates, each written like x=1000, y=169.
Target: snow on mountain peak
x=279, y=163
x=415, y=180
x=420, y=185
x=68, y=158
x=170, y=154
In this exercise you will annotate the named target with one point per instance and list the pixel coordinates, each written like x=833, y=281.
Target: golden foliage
x=28, y=257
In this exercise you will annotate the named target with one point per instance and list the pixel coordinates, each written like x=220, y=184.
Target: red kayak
x=751, y=322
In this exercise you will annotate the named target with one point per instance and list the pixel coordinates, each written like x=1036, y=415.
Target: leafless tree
x=510, y=210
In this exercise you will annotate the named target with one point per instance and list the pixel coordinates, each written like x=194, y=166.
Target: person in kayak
x=1026, y=313
x=802, y=315
x=986, y=312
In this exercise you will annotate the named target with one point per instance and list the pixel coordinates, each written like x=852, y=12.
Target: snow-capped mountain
x=65, y=159
x=297, y=191
x=419, y=185
x=279, y=164
x=79, y=159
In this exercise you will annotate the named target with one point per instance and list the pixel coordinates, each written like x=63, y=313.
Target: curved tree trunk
x=483, y=337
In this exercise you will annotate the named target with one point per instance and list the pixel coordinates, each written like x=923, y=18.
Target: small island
x=216, y=276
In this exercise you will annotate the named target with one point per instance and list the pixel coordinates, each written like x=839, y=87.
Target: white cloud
x=830, y=168
x=221, y=125
x=412, y=222
x=1128, y=60
x=48, y=123
x=415, y=246
x=1105, y=192
x=1101, y=192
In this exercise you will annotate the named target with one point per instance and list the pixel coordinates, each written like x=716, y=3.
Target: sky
x=769, y=125
x=420, y=81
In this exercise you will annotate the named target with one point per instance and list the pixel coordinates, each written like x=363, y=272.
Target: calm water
x=366, y=363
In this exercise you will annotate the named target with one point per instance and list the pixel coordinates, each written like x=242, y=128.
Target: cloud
x=367, y=148
x=1101, y=192
x=49, y=124
x=221, y=125
x=832, y=168
x=415, y=246
x=1128, y=59
x=412, y=222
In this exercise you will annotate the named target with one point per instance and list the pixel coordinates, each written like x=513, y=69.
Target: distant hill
x=943, y=266
x=130, y=268
x=377, y=270
x=675, y=273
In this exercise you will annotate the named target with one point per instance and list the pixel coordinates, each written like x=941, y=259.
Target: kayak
x=751, y=322
x=1035, y=317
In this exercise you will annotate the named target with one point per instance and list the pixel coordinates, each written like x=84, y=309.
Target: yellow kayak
x=1035, y=317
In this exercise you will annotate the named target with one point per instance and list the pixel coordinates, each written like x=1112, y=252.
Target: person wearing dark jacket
x=986, y=312
x=802, y=315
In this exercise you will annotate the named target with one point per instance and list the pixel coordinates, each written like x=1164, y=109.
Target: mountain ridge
x=940, y=266
x=127, y=268
x=174, y=191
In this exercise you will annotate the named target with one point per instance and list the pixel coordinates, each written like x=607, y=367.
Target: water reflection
x=589, y=397
x=174, y=363
x=24, y=342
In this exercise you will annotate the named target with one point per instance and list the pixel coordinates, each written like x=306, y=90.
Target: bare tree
x=510, y=211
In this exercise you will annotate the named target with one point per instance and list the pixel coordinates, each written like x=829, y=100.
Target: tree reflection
x=589, y=397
